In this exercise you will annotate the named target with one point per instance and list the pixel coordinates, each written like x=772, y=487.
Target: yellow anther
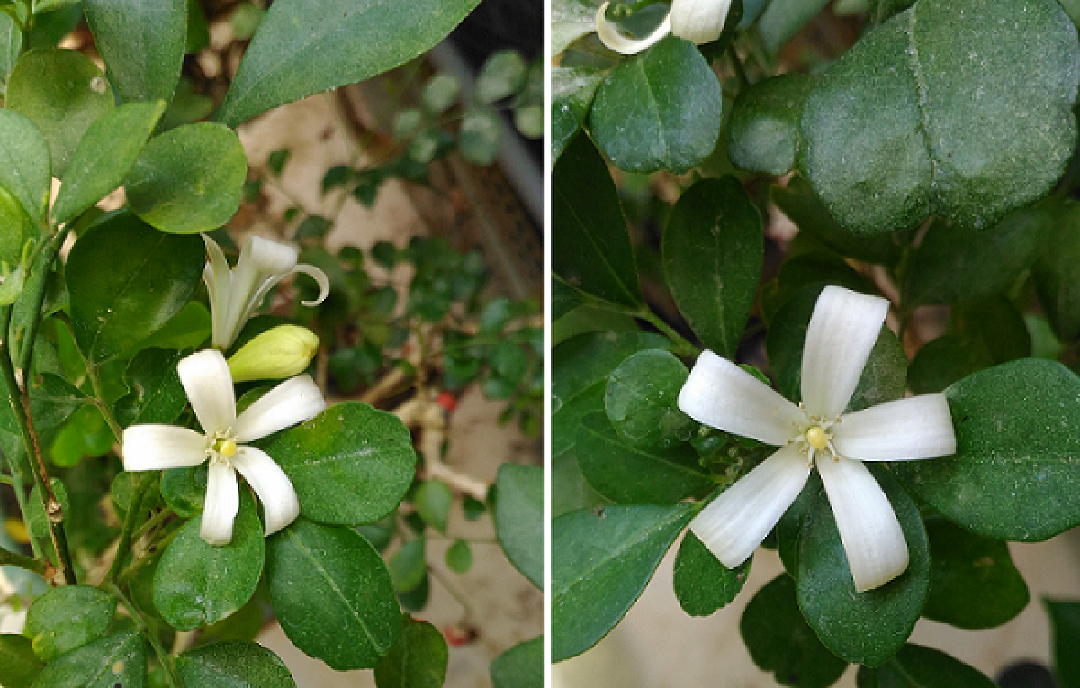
x=226, y=448
x=817, y=438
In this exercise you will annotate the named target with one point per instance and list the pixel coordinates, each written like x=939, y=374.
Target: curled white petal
x=221, y=504
x=274, y=488
x=915, y=428
x=871, y=534
x=842, y=331
x=206, y=380
x=722, y=395
x=735, y=523
x=293, y=401
x=699, y=21
x=153, y=447
x=218, y=279
x=319, y=276
x=610, y=36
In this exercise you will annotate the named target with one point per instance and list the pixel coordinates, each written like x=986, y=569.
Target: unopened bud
x=278, y=353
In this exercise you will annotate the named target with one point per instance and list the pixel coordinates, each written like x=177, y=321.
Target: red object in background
x=447, y=400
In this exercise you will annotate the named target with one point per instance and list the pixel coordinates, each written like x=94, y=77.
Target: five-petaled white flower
x=698, y=21
x=722, y=395
x=235, y=294
x=205, y=377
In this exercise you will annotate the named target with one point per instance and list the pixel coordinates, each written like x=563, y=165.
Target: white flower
x=698, y=21
x=720, y=394
x=205, y=376
x=236, y=294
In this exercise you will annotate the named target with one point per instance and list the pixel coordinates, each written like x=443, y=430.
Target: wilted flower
x=698, y=21
x=278, y=353
x=722, y=395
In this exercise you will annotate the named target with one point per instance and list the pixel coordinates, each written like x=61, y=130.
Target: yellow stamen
x=817, y=438
x=226, y=448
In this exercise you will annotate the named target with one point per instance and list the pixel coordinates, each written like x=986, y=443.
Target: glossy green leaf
x=522, y=666
x=66, y=618
x=62, y=92
x=305, y=47
x=188, y=329
x=572, y=93
x=156, y=393
x=763, y=131
x=601, y=562
x=814, y=267
x=51, y=402
x=702, y=584
x=335, y=570
x=569, y=489
x=18, y=663
x=780, y=641
x=105, y=154
x=184, y=489
x=418, y=660
x=915, y=666
x=24, y=163
x=712, y=253
x=976, y=124
x=189, y=179
x=570, y=20
x=126, y=281
x=119, y=658
x=350, y=464
x=867, y=627
x=973, y=582
x=590, y=245
x=233, y=664
x=433, y=501
x=519, y=518
x=628, y=474
x=641, y=400
x=1054, y=271
x=197, y=583
x=142, y=45
x=1014, y=473
x=659, y=110
x=1065, y=634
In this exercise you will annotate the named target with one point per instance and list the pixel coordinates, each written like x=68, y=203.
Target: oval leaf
x=335, y=570
x=702, y=584
x=24, y=163
x=522, y=666
x=641, y=400
x=763, y=132
x=115, y=659
x=142, y=45
x=233, y=664
x=417, y=661
x=66, y=618
x=519, y=518
x=915, y=666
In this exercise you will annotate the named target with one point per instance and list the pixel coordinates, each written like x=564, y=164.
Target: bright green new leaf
x=522, y=666
x=519, y=518
x=459, y=557
x=915, y=666
x=418, y=660
x=233, y=664
x=702, y=584
x=304, y=47
x=118, y=658
x=66, y=618
x=24, y=163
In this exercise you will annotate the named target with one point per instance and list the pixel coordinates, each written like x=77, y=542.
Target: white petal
x=206, y=379
x=153, y=447
x=915, y=428
x=262, y=264
x=722, y=395
x=699, y=21
x=218, y=279
x=274, y=488
x=221, y=504
x=293, y=401
x=872, y=537
x=320, y=277
x=842, y=331
x=610, y=36
x=735, y=523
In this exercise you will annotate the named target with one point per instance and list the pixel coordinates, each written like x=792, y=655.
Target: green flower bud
x=278, y=353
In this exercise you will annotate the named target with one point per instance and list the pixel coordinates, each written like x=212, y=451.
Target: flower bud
x=278, y=353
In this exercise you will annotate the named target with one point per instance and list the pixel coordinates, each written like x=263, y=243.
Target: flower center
x=222, y=445
x=817, y=438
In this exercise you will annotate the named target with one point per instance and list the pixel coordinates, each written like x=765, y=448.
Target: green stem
x=94, y=376
x=171, y=679
x=682, y=346
x=9, y=558
x=138, y=489
x=151, y=523
x=740, y=72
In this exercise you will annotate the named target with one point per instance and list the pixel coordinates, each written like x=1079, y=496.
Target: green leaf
x=502, y=75
x=51, y=402
x=763, y=131
x=569, y=489
x=142, y=45
x=659, y=110
x=119, y=658
x=1054, y=271
x=861, y=627
x=459, y=556
x=62, y=92
x=197, y=583
x=572, y=93
x=780, y=21
x=641, y=400
x=350, y=464
x=915, y=666
x=418, y=660
x=1065, y=634
x=408, y=566
x=433, y=501
x=184, y=489
x=480, y=135
x=188, y=329
x=233, y=664
x=18, y=664
x=973, y=582
x=127, y=280
x=189, y=179
x=702, y=584
x=24, y=163
x=11, y=45
x=304, y=47
x=1016, y=464
x=780, y=641
x=522, y=666
x=105, y=154
x=601, y=563
x=519, y=518
x=978, y=123
x=66, y=618
x=335, y=570
x=712, y=252
x=570, y=20
x=591, y=248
